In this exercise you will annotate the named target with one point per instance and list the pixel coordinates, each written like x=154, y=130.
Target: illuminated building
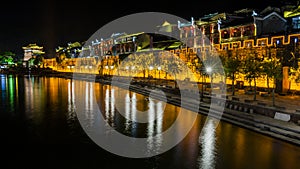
x=268, y=32
x=31, y=51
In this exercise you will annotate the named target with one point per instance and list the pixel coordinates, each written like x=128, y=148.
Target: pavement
x=291, y=103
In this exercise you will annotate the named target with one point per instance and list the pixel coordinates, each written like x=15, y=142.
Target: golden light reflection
x=151, y=125
x=107, y=104
x=155, y=125
x=207, y=141
x=17, y=88
x=71, y=101
x=127, y=111
x=133, y=107
x=112, y=104
x=89, y=94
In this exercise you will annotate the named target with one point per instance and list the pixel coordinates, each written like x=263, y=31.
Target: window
x=225, y=34
x=296, y=23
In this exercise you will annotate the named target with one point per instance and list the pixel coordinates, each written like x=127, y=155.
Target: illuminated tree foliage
x=252, y=69
x=7, y=58
x=232, y=65
x=272, y=69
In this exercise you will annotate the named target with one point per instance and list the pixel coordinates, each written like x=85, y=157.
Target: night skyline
x=55, y=23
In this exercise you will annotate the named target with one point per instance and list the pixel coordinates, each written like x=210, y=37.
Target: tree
x=252, y=69
x=295, y=74
x=174, y=66
x=272, y=69
x=7, y=57
x=200, y=69
x=38, y=58
x=232, y=65
x=144, y=61
x=61, y=54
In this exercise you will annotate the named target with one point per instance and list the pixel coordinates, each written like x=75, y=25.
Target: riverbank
x=258, y=118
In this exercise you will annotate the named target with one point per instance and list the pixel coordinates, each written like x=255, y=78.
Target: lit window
x=296, y=23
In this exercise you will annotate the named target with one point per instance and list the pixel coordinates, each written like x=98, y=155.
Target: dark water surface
x=39, y=129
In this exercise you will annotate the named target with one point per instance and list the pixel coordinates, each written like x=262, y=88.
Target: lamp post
x=208, y=70
x=159, y=68
x=149, y=74
x=127, y=72
x=150, y=68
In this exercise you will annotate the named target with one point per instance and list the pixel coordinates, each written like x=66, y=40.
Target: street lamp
x=208, y=70
x=159, y=69
x=127, y=71
x=150, y=68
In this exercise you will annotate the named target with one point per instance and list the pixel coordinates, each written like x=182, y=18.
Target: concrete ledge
x=235, y=99
x=261, y=104
x=295, y=117
x=280, y=107
x=248, y=101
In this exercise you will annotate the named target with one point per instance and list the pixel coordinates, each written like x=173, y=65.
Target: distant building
x=30, y=52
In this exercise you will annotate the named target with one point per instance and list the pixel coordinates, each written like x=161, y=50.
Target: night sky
x=53, y=23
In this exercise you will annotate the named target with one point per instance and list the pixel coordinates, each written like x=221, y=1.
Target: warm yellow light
x=208, y=69
x=254, y=29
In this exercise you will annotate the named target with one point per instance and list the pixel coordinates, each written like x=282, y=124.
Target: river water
x=40, y=129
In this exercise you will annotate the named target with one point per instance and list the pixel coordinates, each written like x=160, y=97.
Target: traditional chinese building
x=272, y=31
x=31, y=51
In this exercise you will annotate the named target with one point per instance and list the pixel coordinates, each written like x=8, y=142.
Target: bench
x=282, y=116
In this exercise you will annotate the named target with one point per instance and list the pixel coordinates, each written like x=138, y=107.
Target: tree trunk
x=232, y=84
x=254, y=98
x=175, y=84
x=268, y=85
x=273, y=94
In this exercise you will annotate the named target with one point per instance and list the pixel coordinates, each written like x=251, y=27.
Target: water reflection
x=110, y=106
x=207, y=141
x=38, y=115
x=89, y=99
x=71, y=117
x=155, y=128
x=127, y=112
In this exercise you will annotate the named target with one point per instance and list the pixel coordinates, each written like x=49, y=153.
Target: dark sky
x=51, y=23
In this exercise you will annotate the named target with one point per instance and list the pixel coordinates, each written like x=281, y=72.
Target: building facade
x=31, y=51
x=272, y=31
